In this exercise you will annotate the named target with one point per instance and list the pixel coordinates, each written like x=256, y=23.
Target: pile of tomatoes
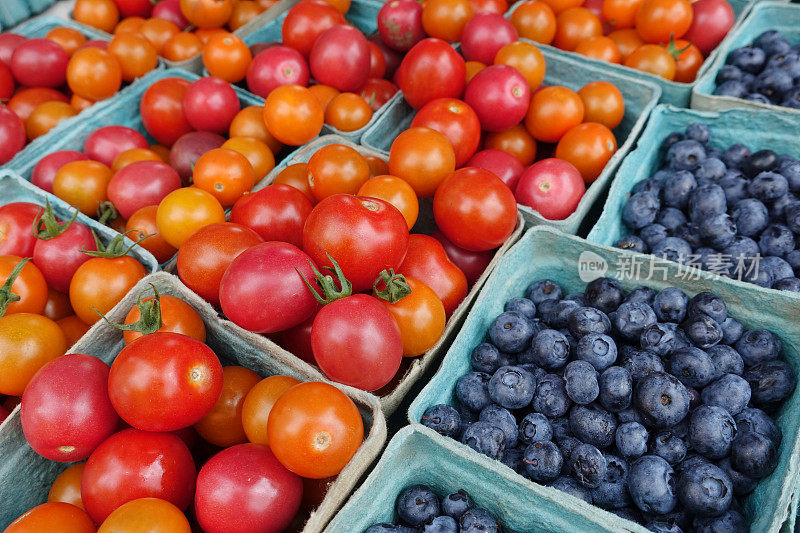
x=668, y=38
x=165, y=405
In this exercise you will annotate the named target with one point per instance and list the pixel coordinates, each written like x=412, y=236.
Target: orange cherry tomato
x=341, y=5
x=249, y=122
x=552, y=112
x=46, y=116
x=516, y=141
x=53, y=517
x=423, y=158
x=94, y=74
x=100, y=283
x=659, y=20
x=100, y=14
x=83, y=184
x=69, y=39
x=57, y=305
x=258, y=403
x=602, y=103
x=574, y=25
x=27, y=343
x=146, y=515
x=226, y=56
x=535, y=20
x=79, y=103
x=293, y=115
x=395, y=191
x=225, y=174
x=654, y=59
x=489, y=6
x=143, y=223
x=161, y=150
x=377, y=166
x=420, y=317
x=688, y=62
x=205, y=34
x=588, y=147
x=25, y=101
x=73, y=328
x=526, y=58
x=620, y=14
x=29, y=285
x=324, y=93
x=67, y=486
x=131, y=24
x=185, y=211
x=182, y=46
x=445, y=19
x=559, y=6
x=257, y=153
x=627, y=41
x=207, y=13
x=314, y=430
x=336, y=169
x=177, y=316
x=243, y=12
x=599, y=47
x=134, y=155
x=473, y=67
x=136, y=55
x=296, y=176
x=222, y=426
x=348, y=112
x=158, y=31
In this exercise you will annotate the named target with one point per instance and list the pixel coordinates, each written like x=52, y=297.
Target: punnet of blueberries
x=652, y=405
x=419, y=509
x=730, y=211
x=765, y=71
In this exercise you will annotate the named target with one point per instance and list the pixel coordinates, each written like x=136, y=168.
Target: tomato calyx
x=47, y=225
x=6, y=296
x=150, y=319
x=107, y=213
x=673, y=50
x=395, y=286
x=115, y=247
x=330, y=291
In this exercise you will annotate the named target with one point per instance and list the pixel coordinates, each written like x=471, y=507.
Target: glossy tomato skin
x=377, y=91
x=276, y=213
x=177, y=316
x=27, y=343
x=244, y=488
x=210, y=105
x=106, y=143
x=100, y=283
x=306, y=21
x=29, y=286
x=363, y=235
x=164, y=382
x=162, y=110
x=552, y=187
x=484, y=35
x=456, y=120
x=12, y=134
x=472, y=264
x=268, y=303
x=203, y=257
x=275, y=66
x=475, y=209
x=340, y=58
x=222, y=426
x=39, y=63
x=502, y=164
x=711, y=22
x=60, y=257
x=152, y=515
x=8, y=43
x=45, y=170
x=16, y=228
x=55, y=516
x=420, y=317
x=141, y=184
x=400, y=24
x=428, y=262
x=500, y=96
x=188, y=149
x=297, y=340
x=136, y=464
x=391, y=56
x=357, y=342
x=430, y=70
x=66, y=412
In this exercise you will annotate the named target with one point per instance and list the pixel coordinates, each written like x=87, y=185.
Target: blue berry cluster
x=731, y=212
x=418, y=509
x=654, y=406
x=767, y=71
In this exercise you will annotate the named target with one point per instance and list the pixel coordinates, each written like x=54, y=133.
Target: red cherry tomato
x=340, y=58
x=7, y=83
x=472, y=264
x=502, y=164
x=428, y=262
x=60, y=257
x=430, y=70
x=392, y=57
x=39, y=63
x=12, y=134
x=377, y=91
x=552, y=187
x=297, y=340
x=306, y=21
x=162, y=110
x=377, y=63
x=712, y=21
x=400, y=24
x=8, y=43
x=455, y=120
x=45, y=170
x=16, y=222
x=276, y=66
x=500, y=96
x=66, y=412
x=276, y=213
x=210, y=105
x=106, y=143
x=141, y=184
x=484, y=35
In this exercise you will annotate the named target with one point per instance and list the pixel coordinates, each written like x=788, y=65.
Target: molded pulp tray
x=672, y=92
x=25, y=477
x=641, y=96
x=37, y=6
x=12, y=12
x=38, y=28
x=762, y=17
x=363, y=14
x=418, y=365
x=546, y=253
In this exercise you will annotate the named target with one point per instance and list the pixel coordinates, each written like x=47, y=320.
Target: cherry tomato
x=423, y=158
x=12, y=134
x=276, y=213
x=324, y=93
x=225, y=174
x=177, y=316
x=688, y=62
x=524, y=57
x=69, y=39
x=395, y=191
x=377, y=63
x=181, y=213
x=268, y=303
x=599, y=47
x=348, y=112
x=146, y=515
x=59, y=256
x=94, y=74
x=67, y=486
x=16, y=221
x=377, y=165
x=400, y=24
x=171, y=10
x=203, y=257
x=297, y=340
x=249, y=122
x=135, y=54
x=73, y=328
x=181, y=46
x=516, y=141
x=46, y=117
x=602, y=103
x=83, y=184
x=134, y=155
x=245, y=488
x=445, y=19
x=57, y=306
x=141, y=184
x=627, y=41
x=535, y=21
x=226, y=56
x=24, y=102
x=222, y=426
x=100, y=283
x=559, y=6
x=53, y=517
x=207, y=13
x=500, y=96
x=588, y=147
x=143, y=223
x=66, y=412
x=162, y=110
x=306, y=21
x=188, y=149
x=363, y=235
x=456, y=120
x=136, y=464
x=391, y=57
x=276, y=66
x=210, y=105
x=552, y=187
x=484, y=35
x=293, y=115
x=7, y=82
x=420, y=317
x=427, y=262
x=574, y=25
x=106, y=143
x=296, y=176
x=258, y=404
x=29, y=286
x=340, y=58
x=27, y=343
x=315, y=429
x=659, y=20
x=243, y=12
x=430, y=70
x=377, y=91
x=336, y=169
x=8, y=43
x=39, y=63
x=502, y=164
x=620, y=14
x=711, y=22
x=553, y=111
x=654, y=59
x=257, y=153
x=472, y=264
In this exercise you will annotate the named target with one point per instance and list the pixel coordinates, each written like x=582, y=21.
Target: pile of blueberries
x=767, y=71
x=731, y=212
x=420, y=509
x=654, y=406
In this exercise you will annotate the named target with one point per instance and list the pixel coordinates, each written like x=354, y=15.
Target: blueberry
x=705, y=490
x=753, y=454
x=478, y=520
x=592, y=425
x=549, y=349
x=417, y=505
x=757, y=421
x=544, y=307
x=734, y=88
x=652, y=485
x=543, y=290
x=672, y=249
x=512, y=457
x=510, y=332
x=535, y=427
x=677, y=187
x=706, y=200
x=640, y=364
x=388, y=528
x=702, y=330
x=632, y=318
x=709, y=304
x=671, y=139
x=768, y=186
x=735, y=154
x=486, y=358
x=653, y=234
x=756, y=97
x=661, y=399
x=443, y=419
x=572, y=487
x=642, y=294
x=670, y=305
x=511, y=387
x=441, y=524
x=629, y=415
x=663, y=526
x=693, y=367
x=750, y=216
x=658, y=338
x=616, y=388
x=742, y=485
x=718, y=230
x=472, y=391
x=732, y=330
x=792, y=99
x=690, y=232
x=772, y=42
x=773, y=84
x=685, y=155
x=671, y=219
x=793, y=258
x=787, y=284
x=770, y=383
x=523, y=306
x=711, y=168
x=748, y=59
x=542, y=461
x=581, y=382
x=585, y=320
x=742, y=250
x=502, y=418
x=457, y=503
x=726, y=360
x=485, y=438
x=631, y=439
x=728, y=73
x=669, y=446
x=633, y=243
x=734, y=186
x=551, y=397
x=613, y=490
x=588, y=465
x=791, y=215
x=791, y=171
x=779, y=268
x=697, y=131
x=605, y=294
x=758, y=346
x=711, y=431
x=729, y=522
x=558, y=316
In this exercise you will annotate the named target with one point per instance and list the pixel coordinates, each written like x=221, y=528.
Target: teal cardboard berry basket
x=26, y=477
x=572, y=262
x=39, y=26
x=562, y=69
x=762, y=17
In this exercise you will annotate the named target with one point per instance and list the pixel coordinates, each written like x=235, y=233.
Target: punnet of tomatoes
x=667, y=38
x=176, y=424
